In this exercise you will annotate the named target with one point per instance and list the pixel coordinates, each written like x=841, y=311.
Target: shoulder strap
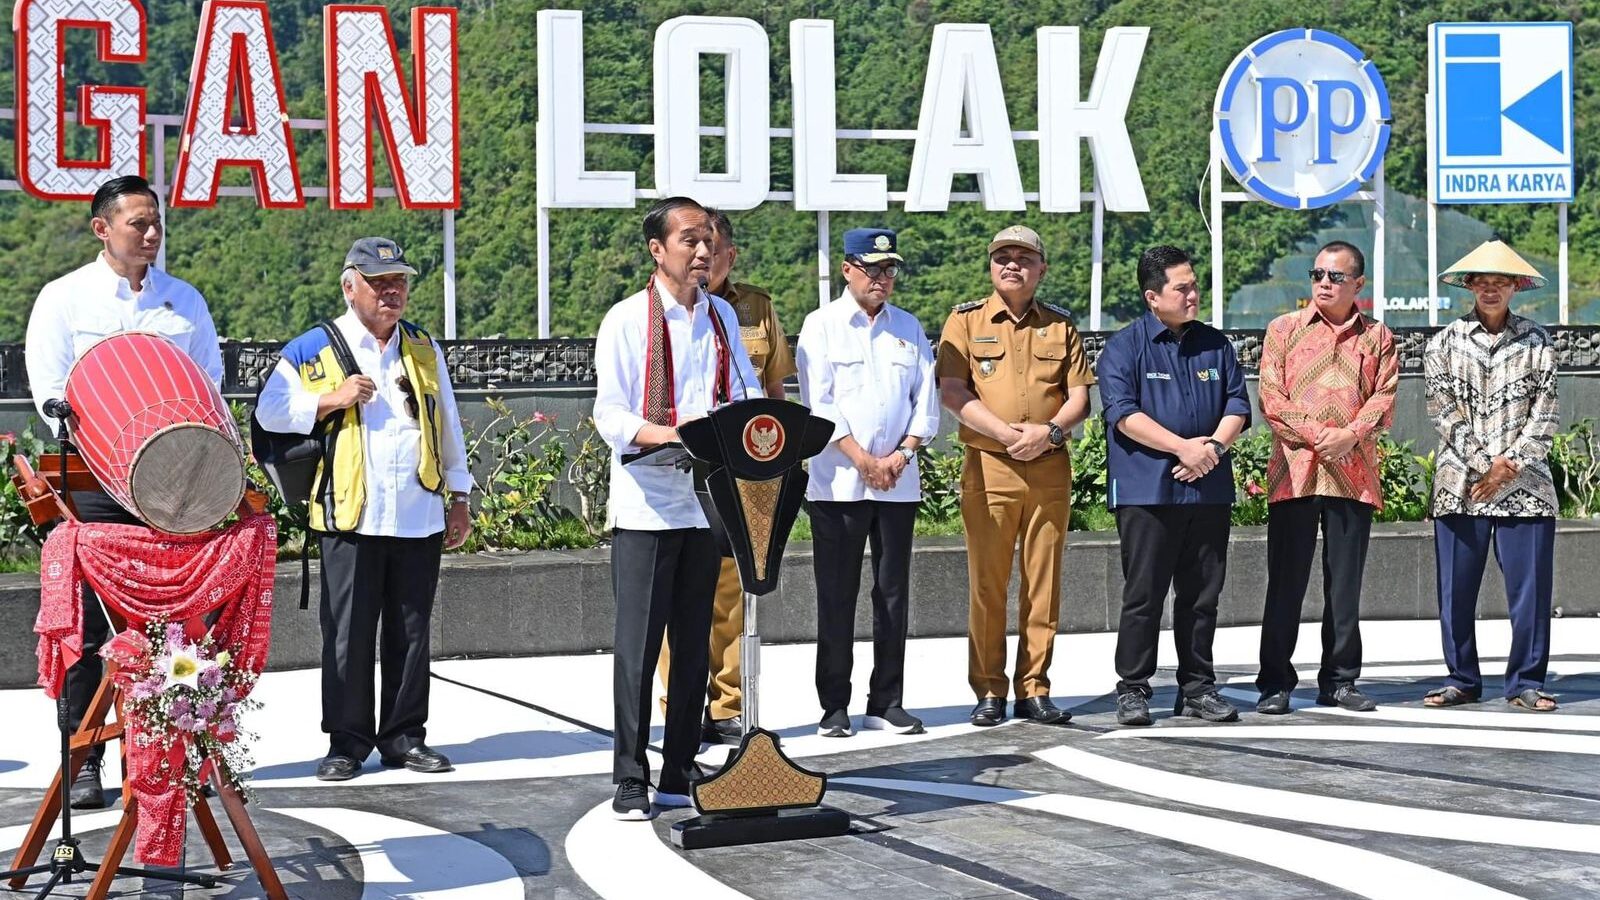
x=341, y=350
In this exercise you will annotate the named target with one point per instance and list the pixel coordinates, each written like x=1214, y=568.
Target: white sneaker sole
x=671, y=801
x=634, y=815
x=878, y=723
x=834, y=732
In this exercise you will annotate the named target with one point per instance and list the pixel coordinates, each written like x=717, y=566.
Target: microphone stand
x=67, y=859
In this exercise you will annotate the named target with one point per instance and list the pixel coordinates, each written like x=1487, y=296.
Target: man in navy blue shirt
x=1174, y=400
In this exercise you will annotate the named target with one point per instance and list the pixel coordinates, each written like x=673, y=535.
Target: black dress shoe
x=420, y=758
x=722, y=731
x=1347, y=696
x=86, y=791
x=338, y=768
x=1041, y=710
x=1273, y=704
x=989, y=712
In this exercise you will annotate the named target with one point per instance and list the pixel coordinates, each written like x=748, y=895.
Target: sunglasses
x=411, y=395
x=1334, y=275
x=874, y=272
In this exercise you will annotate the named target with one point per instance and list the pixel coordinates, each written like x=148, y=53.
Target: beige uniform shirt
x=761, y=332
x=1020, y=368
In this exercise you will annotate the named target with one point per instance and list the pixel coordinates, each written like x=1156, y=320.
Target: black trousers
x=663, y=581
x=368, y=583
x=1291, y=541
x=84, y=676
x=840, y=532
x=1183, y=547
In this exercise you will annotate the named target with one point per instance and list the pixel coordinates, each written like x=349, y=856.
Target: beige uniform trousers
x=1003, y=500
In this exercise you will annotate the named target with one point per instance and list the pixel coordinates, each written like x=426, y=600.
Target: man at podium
x=665, y=355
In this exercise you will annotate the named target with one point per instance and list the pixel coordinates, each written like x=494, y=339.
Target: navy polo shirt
x=1187, y=384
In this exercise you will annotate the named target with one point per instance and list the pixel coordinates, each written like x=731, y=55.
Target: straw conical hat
x=1494, y=258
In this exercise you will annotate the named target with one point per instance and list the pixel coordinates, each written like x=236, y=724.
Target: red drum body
x=156, y=432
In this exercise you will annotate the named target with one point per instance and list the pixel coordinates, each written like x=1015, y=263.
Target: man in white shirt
x=665, y=355
x=866, y=366
x=391, y=493
x=121, y=290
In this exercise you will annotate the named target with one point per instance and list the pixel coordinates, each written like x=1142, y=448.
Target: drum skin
x=156, y=433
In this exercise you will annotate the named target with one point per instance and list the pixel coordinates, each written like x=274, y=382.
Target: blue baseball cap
x=871, y=245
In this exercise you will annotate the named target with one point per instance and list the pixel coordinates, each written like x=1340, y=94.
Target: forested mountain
x=270, y=274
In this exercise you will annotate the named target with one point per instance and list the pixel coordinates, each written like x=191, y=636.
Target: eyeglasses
x=411, y=395
x=1333, y=275
x=874, y=272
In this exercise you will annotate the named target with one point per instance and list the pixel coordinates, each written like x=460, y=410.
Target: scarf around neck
x=660, y=401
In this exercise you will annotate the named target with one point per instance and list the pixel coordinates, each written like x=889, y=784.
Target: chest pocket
x=756, y=345
x=1049, y=358
x=849, y=370
x=89, y=329
x=987, y=360
x=168, y=324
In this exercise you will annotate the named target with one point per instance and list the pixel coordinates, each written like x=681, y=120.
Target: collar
x=1515, y=324
x=995, y=308
x=671, y=307
x=358, y=335
x=1357, y=322
x=1156, y=330
x=854, y=314
x=103, y=270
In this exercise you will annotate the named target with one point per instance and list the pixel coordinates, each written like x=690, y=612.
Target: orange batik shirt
x=1317, y=375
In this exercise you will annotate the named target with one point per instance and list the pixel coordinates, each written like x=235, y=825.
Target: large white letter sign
x=680, y=43
x=963, y=77
x=363, y=71
x=234, y=56
x=116, y=113
x=817, y=182
x=558, y=143
x=1063, y=120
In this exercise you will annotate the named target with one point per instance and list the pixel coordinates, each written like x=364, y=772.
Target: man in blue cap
x=866, y=366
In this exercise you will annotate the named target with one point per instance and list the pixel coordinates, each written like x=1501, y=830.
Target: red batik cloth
x=145, y=575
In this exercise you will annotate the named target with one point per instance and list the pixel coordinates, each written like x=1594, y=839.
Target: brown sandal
x=1530, y=698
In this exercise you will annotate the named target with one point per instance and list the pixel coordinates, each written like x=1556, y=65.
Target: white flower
x=182, y=665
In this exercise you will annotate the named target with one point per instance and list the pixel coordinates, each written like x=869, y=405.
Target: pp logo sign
x=1303, y=118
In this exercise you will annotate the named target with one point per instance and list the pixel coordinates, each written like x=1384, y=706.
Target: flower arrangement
x=180, y=689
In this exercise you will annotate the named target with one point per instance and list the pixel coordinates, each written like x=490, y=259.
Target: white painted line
x=1582, y=744
x=1336, y=812
x=627, y=861
x=1347, y=868
x=405, y=860
x=12, y=836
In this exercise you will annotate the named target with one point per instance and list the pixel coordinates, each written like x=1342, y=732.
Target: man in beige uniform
x=1013, y=370
x=768, y=348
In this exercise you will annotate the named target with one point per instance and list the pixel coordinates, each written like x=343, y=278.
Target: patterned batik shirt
x=1317, y=375
x=1493, y=395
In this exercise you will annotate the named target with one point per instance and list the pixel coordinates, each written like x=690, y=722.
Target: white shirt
x=76, y=310
x=873, y=378
x=658, y=498
x=397, y=504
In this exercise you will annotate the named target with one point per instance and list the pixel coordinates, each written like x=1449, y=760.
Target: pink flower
x=206, y=709
x=175, y=634
x=211, y=677
x=1254, y=489
x=9, y=437
x=184, y=722
x=544, y=418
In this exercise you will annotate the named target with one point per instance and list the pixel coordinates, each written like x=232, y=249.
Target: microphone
x=57, y=409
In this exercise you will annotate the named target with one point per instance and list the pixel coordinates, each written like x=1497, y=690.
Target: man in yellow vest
x=762, y=336
x=390, y=494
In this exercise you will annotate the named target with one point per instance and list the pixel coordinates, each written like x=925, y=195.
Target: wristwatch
x=906, y=452
x=1057, y=436
x=1220, y=447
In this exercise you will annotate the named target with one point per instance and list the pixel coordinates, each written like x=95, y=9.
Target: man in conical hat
x=1491, y=384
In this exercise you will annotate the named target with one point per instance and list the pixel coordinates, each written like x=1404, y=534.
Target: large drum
x=156, y=432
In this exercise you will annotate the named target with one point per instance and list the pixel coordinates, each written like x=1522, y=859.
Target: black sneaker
x=1347, y=696
x=835, y=724
x=86, y=791
x=722, y=731
x=632, y=803
x=1209, y=706
x=892, y=719
x=1133, y=708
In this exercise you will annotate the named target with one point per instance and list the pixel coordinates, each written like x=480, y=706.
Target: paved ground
x=1404, y=802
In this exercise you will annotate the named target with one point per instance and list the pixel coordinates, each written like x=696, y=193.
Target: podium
x=746, y=459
